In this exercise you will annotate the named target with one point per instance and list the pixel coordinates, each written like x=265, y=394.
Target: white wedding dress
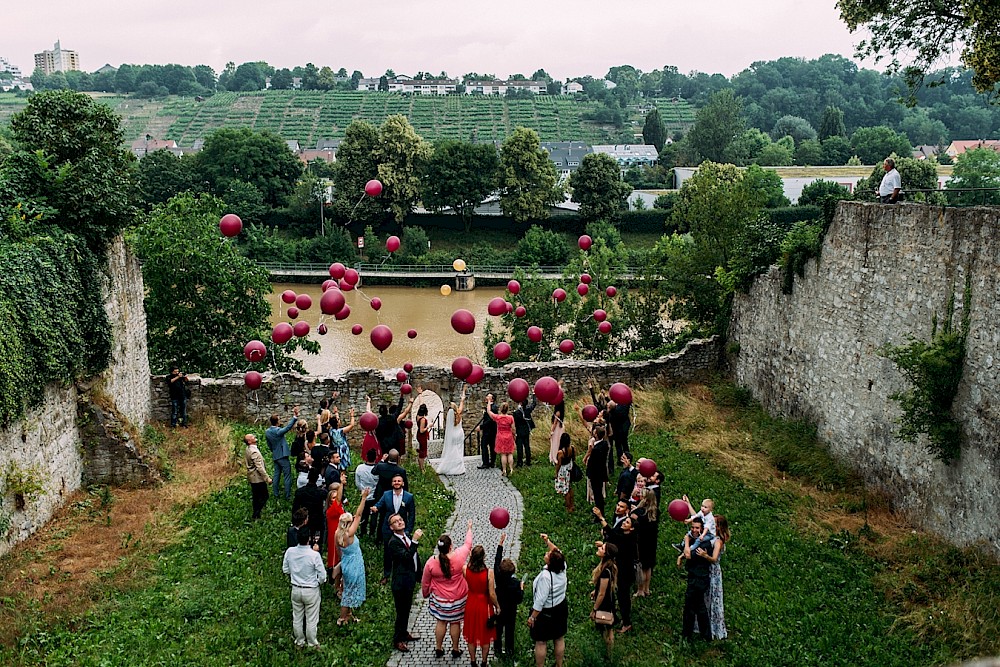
x=452, y=461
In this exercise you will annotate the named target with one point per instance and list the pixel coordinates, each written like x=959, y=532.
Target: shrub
x=541, y=247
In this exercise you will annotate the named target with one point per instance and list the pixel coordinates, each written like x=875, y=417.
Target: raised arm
x=463, y=551
x=356, y=521
x=406, y=411
x=499, y=557
x=349, y=427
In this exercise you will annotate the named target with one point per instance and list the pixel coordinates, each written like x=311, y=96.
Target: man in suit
x=405, y=568
x=488, y=443
x=385, y=470
x=697, y=583
x=627, y=477
x=523, y=424
x=256, y=474
x=396, y=501
x=280, y=451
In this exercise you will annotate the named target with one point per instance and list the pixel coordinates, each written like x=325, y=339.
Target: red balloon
x=647, y=467
x=408, y=367
x=559, y=294
x=400, y=376
x=534, y=334
x=499, y=518
x=331, y=302
x=510, y=306
x=620, y=393
x=513, y=287
x=497, y=306
x=461, y=367
x=381, y=337
x=567, y=346
x=301, y=329
x=547, y=389
x=559, y=397
x=476, y=375
x=253, y=379
x=373, y=188
x=408, y=423
x=611, y=291
x=585, y=242
x=600, y=315
x=343, y=313
x=345, y=286
x=582, y=289
x=518, y=390
x=321, y=330
x=327, y=284
x=337, y=270
x=520, y=311
x=501, y=351
x=604, y=327
x=376, y=303
x=304, y=301
x=351, y=277
x=254, y=351
x=678, y=510
x=585, y=278
x=590, y=413
x=282, y=333
x=368, y=421
x=357, y=329
x=392, y=243
x=292, y=312
x=405, y=389
x=230, y=225
x=411, y=334
x=288, y=296
x=463, y=321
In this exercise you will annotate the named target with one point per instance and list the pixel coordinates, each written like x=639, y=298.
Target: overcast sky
x=567, y=38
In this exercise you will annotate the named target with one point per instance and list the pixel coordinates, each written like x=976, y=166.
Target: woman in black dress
x=646, y=516
x=605, y=580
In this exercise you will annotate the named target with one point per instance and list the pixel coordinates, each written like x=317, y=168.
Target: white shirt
x=889, y=183
x=304, y=565
x=363, y=477
x=709, y=520
x=408, y=541
x=548, y=589
x=397, y=500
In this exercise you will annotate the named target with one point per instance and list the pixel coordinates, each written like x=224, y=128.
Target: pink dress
x=370, y=442
x=505, y=433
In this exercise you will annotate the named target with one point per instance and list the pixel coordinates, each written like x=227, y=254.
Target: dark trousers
x=258, y=492
x=369, y=523
x=178, y=411
x=694, y=607
x=626, y=577
x=523, y=443
x=402, y=600
x=598, y=489
x=505, y=630
x=620, y=440
x=488, y=448
x=386, y=558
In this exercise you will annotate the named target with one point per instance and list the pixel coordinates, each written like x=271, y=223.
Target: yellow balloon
x=445, y=290
x=458, y=265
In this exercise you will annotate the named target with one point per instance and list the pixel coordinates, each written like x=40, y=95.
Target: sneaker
x=679, y=546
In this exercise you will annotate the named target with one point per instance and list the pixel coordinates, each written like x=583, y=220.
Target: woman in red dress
x=334, y=509
x=480, y=606
x=505, y=435
x=423, y=435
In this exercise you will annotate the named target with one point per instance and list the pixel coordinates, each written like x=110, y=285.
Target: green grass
x=218, y=597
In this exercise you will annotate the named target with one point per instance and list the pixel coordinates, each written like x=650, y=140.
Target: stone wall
x=227, y=397
x=884, y=273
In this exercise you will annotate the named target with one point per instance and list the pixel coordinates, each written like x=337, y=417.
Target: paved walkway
x=476, y=493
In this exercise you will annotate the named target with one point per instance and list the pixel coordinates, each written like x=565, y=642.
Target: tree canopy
x=527, y=177
x=598, y=188
x=262, y=159
x=460, y=176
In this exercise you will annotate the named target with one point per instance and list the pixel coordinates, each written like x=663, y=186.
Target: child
x=510, y=593
x=708, y=519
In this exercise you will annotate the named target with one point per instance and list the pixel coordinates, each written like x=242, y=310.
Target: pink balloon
x=604, y=327
x=304, y=301
x=368, y=421
x=518, y=389
x=582, y=289
x=400, y=376
x=381, y=337
x=321, y=330
x=476, y=375
x=405, y=389
x=559, y=294
x=585, y=242
x=345, y=286
x=230, y=225
x=513, y=287
x=292, y=312
x=509, y=306
x=357, y=329
x=288, y=296
x=499, y=518
x=254, y=351
x=678, y=510
x=501, y=351
x=392, y=243
x=373, y=188
x=547, y=389
x=647, y=467
x=343, y=313
x=534, y=334
x=585, y=278
x=331, y=302
x=408, y=424
x=463, y=321
x=282, y=333
x=611, y=291
x=620, y=393
x=590, y=413
x=497, y=306
x=301, y=329
x=408, y=367
x=351, y=276
x=567, y=346
x=600, y=315
x=328, y=283
x=520, y=311
x=253, y=379
x=461, y=367
x=376, y=303
x=337, y=270
x=411, y=334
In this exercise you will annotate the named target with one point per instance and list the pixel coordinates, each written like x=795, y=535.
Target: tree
x=795, y=127
x=976, y=168
x=817, y=192
x=541, y=247
x=653, y=130
x=809, y=152
x=527, y=177
x=401, y=156
x=356, y=165
x=930, y=31
x=161, y=175
x=204, y=300
x=282, y=79
x=747, y=147
x=775, y=154
x=205, y=76
x=914, y=175
x=598, y=188
x=260, y=158
x=832, y=124
x=716, y=125
x=874, y=144
x=460, y=176
x=836, y=150
x=767, y=185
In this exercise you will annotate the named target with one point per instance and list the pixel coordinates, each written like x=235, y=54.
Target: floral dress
x=563, y=481
x=713, y=600
x=352, y=569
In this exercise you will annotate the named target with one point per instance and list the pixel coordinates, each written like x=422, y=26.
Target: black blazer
x=404, y=569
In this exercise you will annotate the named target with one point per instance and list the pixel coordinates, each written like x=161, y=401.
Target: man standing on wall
x=280, y=451
x=256, y=474
x=888, y=189
x=177, y=383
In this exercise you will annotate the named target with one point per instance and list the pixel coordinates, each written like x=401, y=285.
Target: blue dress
x=352, y=569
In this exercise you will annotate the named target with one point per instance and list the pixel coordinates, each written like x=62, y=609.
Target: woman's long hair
x=422, y=410
x=444, y=548
x=342, y=525
x=722, y=527
x=648, y=502
x=607, y=563
x=477, y=559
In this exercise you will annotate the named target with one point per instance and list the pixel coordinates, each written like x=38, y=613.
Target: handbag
x=575, y=473
x=604, y=618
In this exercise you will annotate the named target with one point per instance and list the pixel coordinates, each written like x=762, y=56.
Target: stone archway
x=435, y=414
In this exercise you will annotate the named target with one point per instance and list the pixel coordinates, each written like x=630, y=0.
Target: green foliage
x=809, y=153
x=204, y=300
x=934, y=371
x=787, y=216
x=541, y=247
x=803, y=242
x=836, y=150
x=874, y=144
x=832, y=124
x=768, y=184
x=606, y=232
x=402, y=157
x=977, y=168
x=716, y=125
x=598, y=188
x=412, y=246
x=914, y=175
x=357, y=162
x=653, y=130
x=528, y=180
x=820, y=190
x=161, y=175
x=799, y=129
x=259, y=158
x=460, y=176
x=25, y=484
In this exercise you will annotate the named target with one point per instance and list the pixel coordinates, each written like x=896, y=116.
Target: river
x=422, y=308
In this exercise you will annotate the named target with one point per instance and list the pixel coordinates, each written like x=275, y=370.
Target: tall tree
x=599, y=189
x=162, y=175
x=716, y=125
x=260, y=158
x=460, y=176
x=795, y=127
x=356, y=165
x=653, y=130
x=527, y=177
x=832, y=124
x=977, y=168
x=401, y=156
x=874, y=144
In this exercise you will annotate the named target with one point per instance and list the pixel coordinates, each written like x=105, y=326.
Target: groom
x=402, y=551
x=394, y=502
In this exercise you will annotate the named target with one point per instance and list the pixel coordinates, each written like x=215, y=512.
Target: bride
x=452, y=461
